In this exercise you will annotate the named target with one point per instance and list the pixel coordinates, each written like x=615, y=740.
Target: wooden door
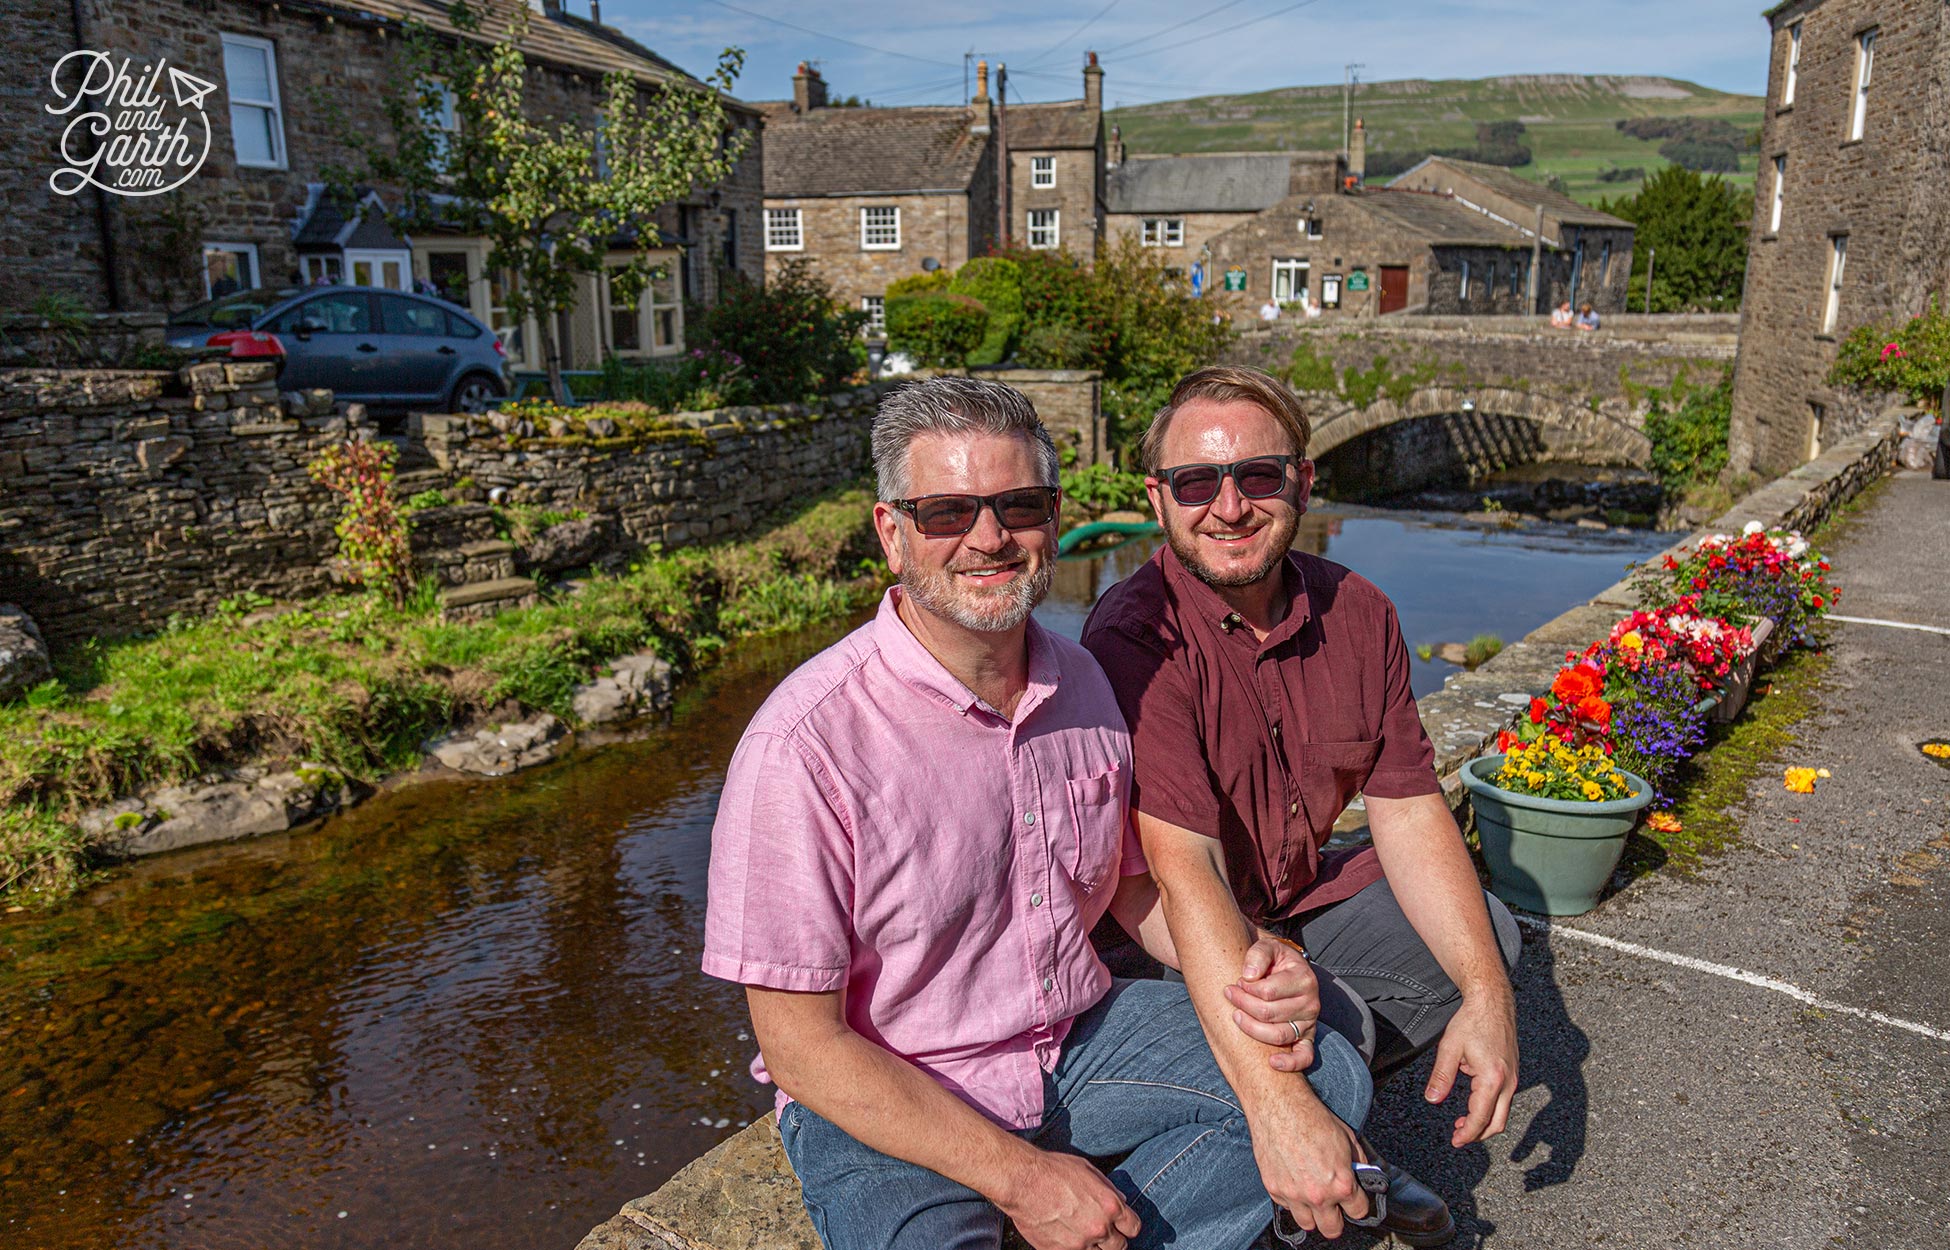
x=1394, y=288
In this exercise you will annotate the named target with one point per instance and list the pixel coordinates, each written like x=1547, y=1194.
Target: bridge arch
x=1590, y=436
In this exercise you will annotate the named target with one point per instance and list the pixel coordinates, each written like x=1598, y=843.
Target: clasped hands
x=1276, y=1000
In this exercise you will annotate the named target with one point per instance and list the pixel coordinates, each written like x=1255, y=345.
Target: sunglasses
x=1260, y=477
x=946, y=516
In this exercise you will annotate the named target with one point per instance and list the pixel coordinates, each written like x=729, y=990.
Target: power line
x=1073, y=34
x=820, y=34
x=1251, y=21
x=1174, y=26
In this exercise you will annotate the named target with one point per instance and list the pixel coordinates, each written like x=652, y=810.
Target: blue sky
x=918, y=44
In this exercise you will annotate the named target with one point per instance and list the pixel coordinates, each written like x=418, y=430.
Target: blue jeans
x=1136, y=1079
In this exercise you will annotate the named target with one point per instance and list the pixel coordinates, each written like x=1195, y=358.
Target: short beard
x=1184, y=544
x=938, y=593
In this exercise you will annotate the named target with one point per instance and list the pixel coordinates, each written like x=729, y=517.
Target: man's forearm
x=1427, y=865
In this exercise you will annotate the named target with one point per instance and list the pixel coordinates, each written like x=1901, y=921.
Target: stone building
x=296, y=83
x=1179, y=204
x=1851, y=224
x=869, y=195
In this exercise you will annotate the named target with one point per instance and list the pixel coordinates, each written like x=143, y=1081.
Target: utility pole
x=1347, y=101
x=1650, y=257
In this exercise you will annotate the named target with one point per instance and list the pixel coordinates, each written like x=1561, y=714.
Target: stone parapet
x=741, y=1195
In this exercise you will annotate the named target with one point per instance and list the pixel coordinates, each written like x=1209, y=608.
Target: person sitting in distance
x=1587, y=318
x=917, y=832
x=1561, y=316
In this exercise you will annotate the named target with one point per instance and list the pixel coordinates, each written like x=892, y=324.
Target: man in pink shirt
x=917, y=833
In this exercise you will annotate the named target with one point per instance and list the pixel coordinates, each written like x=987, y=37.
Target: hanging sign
x=1235, y=279
x=1358, y=280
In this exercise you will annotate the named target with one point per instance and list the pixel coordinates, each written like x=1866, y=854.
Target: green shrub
x=1688, y=427
x=1911, y=359
x=1310, y=371
x=997, y=283
x=919, y=284
x=1102, y=488
x=791, y=340
x=695, y=382
x=938, y=330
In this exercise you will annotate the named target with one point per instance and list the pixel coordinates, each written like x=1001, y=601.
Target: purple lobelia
x=1656, y=725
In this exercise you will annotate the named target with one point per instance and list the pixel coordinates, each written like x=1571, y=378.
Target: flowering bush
x=372, y=530
x=1911, y=359
x=1549, y=769
x=1657, y=721
x=1741, y=578
x=1707, y=646
x=1576, y=713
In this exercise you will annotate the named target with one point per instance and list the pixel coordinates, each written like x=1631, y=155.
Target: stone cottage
x=1851, y=223
x=295, y=82
x=869, y=195
x=1179, y=204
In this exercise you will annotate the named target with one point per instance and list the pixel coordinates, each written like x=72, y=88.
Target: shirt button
x=1029, y=818
x=1293, y=809
x=1035, y=900
x=1049, y=983
x=1276, y=731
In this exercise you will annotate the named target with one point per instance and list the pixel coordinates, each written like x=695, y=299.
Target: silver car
x=382, y=348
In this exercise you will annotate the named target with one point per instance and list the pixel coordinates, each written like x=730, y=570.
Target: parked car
x=386, y=349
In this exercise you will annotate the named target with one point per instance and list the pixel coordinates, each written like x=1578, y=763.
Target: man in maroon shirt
x=1264, y=689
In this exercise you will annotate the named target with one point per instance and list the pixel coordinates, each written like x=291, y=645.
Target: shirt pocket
x=1097, y=828
x=1332, y=773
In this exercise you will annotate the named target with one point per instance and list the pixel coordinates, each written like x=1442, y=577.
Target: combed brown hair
x=1226, y=383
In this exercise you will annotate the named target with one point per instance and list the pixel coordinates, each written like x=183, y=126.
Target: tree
x=1692, y=233
x=472, y=153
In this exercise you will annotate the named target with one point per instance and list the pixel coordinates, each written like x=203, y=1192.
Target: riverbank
x=344, y=692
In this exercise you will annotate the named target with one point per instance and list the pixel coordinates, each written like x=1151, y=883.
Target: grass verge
x=354, y=684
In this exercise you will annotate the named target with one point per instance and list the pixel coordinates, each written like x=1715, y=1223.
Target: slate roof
x=1524, y=191
x=1437, y=219
x=1049, y=127
x=869, y=151
x=1246, y=183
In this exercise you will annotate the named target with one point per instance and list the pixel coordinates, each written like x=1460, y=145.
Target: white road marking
x=1870, y=620
x=1735, y=974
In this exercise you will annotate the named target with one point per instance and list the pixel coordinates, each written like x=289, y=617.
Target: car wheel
x=474, y=393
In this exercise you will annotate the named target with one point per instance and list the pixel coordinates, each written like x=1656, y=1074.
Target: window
x=1310, y=226
x=1042, y=171
x=399, y=315
x=501, y=319
x=1865, y=64
x=322, y=269
x=1817, y=417
x=875, y=306
x=229, y=267
x=342, y=312
x=784, y=231
x=651, y=323
x=448, y=274
x=1604, y=265
x=1465, y=282
x=1289, y=281
x=392, y=270
x=880, y=229
x=1489, y=282
x=1043, y=227
x=437, y=113
x=250, y=73
x=1516, y=276
x=1162, y=232
x=1793, y=65
x=1837, y=261
x=730, y=240
x=1780, y=182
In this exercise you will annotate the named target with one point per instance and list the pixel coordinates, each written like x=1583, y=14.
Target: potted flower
x=1745, y=578
x=1552, y=819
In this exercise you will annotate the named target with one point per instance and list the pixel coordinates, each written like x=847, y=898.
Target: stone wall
x=101, y=341
x=1074, y=197
x=127, y=497
x=1883, y=193
x=1070, y=403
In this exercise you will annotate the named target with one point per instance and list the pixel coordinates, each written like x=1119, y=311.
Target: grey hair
x=952, y=405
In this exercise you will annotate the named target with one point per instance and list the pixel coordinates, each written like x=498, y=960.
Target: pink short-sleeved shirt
x=885, y=833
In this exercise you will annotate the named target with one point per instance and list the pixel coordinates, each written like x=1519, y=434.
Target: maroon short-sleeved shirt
x=1262, y=744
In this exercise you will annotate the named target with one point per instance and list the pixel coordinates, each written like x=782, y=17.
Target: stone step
x=488, y=560
x=484, y=599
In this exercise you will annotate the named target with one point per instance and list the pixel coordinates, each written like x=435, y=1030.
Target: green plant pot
x=1550, y=856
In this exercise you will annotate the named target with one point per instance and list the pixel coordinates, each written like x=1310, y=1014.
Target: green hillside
x=1569, y=121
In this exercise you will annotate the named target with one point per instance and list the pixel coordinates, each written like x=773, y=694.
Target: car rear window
x=406, y=316
x=339, y=313
x=461, y=328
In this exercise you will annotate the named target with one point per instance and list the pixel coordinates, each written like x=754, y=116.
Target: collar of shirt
x=1204, y=603
x=917, y=667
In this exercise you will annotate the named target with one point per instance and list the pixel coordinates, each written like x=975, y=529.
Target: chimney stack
x=1357, y=154
x=552, y=8
x=596, y=11
x=808, y=90
x=983, y=120
x=1093, y=84
x=1114, y=150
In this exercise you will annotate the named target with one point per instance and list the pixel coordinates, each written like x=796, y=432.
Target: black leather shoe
x=1417, y=1215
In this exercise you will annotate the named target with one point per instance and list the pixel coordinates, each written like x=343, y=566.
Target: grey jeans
x=1380, y=987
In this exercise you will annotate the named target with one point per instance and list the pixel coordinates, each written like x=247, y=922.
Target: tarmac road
x=1663, y=1105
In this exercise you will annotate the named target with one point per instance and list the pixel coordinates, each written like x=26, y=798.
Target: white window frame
x=246, y=250
x=1311, y=227
x=312, y=266
x=379, y=258
x=447, y=124
x=1793, y=65
x=1050, y=230
x=1465, y=282
x=872, y=230
x=777, y=238
x=875, y=306
x=1042, y=172
x=1865, y=66
x=1837, y=262
x=1297, y=272
x=647, y=308
x=1780, y=190
x=1162, y=232
x=273, y=106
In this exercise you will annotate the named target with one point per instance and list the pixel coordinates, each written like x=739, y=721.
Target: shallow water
x=468, y=1014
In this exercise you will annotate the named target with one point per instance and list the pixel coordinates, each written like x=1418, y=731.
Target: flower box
x=1733, y=695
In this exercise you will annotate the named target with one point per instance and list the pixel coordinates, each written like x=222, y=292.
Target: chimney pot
x=981, y=80
x=808, y=89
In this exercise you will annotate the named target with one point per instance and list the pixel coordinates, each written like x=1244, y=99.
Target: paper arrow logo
x=189, y=89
